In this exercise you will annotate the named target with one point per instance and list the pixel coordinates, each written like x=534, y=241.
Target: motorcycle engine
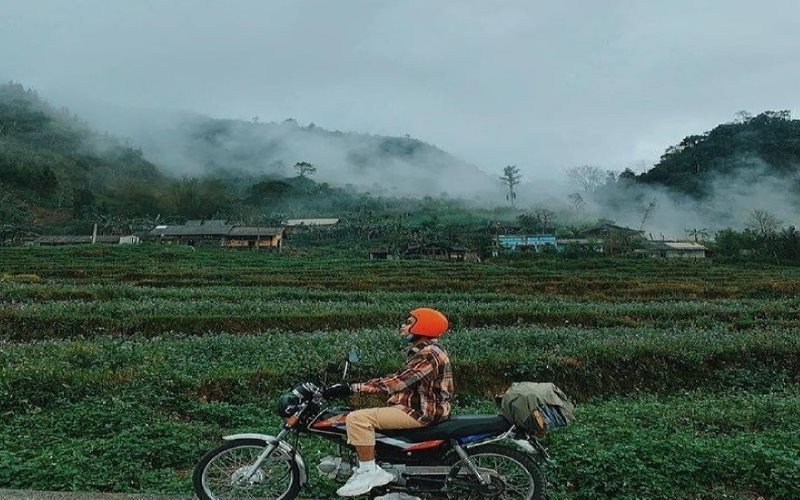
x=336, y=468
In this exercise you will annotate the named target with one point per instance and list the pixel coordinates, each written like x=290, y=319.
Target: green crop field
x=119, y=367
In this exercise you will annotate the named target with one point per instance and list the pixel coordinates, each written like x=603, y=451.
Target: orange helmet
x=429, y=322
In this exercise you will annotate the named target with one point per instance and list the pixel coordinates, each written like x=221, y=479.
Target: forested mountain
x=53, y=166
x=753, y=146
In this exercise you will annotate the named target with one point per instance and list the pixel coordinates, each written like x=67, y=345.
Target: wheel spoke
x=510, y=479
x=272, y=479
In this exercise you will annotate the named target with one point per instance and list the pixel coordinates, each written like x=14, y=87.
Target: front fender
x=283, y=445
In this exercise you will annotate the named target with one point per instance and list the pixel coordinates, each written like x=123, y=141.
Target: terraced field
x=120, y=366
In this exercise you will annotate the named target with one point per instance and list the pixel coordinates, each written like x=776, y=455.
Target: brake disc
x=257, y=477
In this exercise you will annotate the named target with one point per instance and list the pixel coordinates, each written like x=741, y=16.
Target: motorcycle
x=465, y=457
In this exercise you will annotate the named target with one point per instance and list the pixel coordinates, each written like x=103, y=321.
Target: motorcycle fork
x=263, y=456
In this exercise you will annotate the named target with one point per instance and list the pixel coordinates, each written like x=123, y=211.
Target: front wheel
x=219, y=473
x=512, y=473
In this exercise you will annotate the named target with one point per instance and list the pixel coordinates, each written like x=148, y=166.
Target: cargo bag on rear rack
x=537, y=407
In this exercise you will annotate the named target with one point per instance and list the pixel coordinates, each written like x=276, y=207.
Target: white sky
x=544, y=85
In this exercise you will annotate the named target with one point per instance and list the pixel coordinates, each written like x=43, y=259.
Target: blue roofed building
x=525, y=242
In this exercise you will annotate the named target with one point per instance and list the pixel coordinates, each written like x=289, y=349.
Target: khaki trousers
x=361, y=424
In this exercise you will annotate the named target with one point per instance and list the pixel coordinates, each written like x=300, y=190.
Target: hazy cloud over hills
x=191, y=144
x=539, y=84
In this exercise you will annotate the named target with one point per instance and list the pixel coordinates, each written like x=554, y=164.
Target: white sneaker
x=397, y=496
x=363, y=481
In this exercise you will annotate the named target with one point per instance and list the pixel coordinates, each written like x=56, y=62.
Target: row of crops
x=599, y=279
x=143, y=316
x=119, y=366
x=591, y=363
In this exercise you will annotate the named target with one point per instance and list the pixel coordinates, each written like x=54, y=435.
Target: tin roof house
x=218, y=233
x=675, y=249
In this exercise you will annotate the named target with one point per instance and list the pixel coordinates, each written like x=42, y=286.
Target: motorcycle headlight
x=287, y=405
x=305, y=391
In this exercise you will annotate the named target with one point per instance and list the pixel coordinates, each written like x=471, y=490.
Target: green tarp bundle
x=537, y=407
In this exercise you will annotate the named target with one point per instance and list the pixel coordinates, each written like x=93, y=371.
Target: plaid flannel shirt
x=423, y=388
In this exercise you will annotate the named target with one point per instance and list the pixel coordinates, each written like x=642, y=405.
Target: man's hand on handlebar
x=336, y=391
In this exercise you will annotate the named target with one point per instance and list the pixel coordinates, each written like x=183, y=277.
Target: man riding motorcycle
x=422, y=449
x=419, y=395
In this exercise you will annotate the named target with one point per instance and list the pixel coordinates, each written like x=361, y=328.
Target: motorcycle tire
x=523, y=460
x=205, y=492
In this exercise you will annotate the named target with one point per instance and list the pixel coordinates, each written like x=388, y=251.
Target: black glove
x=336, y=391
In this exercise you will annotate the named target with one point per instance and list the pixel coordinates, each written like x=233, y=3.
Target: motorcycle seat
x=454, y=427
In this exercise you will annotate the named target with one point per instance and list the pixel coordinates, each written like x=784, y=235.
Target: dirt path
x=60, y=495
x=63, y=495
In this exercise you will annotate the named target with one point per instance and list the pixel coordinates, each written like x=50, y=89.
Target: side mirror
x=352, y=358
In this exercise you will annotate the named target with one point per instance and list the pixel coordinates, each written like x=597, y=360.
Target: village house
x=92, y=239
x=525, y=243
x=674, y=249
x=614, y=239
x=593, y=245
x=255, y=237
x=542, y=242
x=435, y=251
x=606, y=230
x=379, y=254
x=193, y=233
x=218, y=233
x=85, y=240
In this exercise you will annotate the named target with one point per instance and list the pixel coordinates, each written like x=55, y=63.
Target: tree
x=764, y=222
x=268, y=192
x=13, y=211
x=185, y=196
x=199, y=198
x=541, y=220
x=45, y=182
x=214, y=196
x=511, y=178
x=648, y=212
x=742, y=117
x=577, y=201
x=83, y=202
x=586, y=177
x=305, y=169
x=699, y=234
x=137, y=198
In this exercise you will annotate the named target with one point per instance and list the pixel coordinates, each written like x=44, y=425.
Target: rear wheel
x=219, y=473
x=513, y=475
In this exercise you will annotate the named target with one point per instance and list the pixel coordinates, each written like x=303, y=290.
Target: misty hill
x=750, y=149
x=198, y=145
x=57, y=174
x=51, y=163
